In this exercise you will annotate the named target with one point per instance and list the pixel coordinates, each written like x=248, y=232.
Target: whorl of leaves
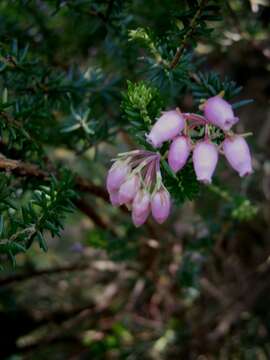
x=205, y=85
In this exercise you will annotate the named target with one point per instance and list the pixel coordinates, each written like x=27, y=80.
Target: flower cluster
x=218, y=113
x=135, y=178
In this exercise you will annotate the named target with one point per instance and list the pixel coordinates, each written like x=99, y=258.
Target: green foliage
x=238, y=207
x=183, y=185
x=80, y=82
x=37, y=92
x=210, y=84
x=169, y=62
x=61, y=93
x=44, y=212
x=196, y=20
x=141, y=105
x=243, y=209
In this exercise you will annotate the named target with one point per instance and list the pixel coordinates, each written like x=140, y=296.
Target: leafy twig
x=187, y=36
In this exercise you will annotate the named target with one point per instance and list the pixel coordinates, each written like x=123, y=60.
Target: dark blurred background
x=197, y=287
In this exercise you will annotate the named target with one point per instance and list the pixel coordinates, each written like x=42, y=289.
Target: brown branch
x=72, y=318
x=188, y=34
x=36, y=273
x=92, y=214
x=233, y=314
x=232, y=309
x=68, y=321
x=25, y=169
x=21, y=168
x=85, y=185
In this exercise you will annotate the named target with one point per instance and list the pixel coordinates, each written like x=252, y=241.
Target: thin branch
x=188, y=34
x=10, y=120
x=85, y=185
x=21, y=168
x=36, y=273
x=92, y=214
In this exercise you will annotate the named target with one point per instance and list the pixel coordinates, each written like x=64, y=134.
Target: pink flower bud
x=179, y=153
x=129, y=189
x=219, y=113
x=205, y=157
x=168, y=126
x=117, y=175
x=114, y=198
x=140, y=208
x=237, y=153
x=161, y=205
x=139, y=220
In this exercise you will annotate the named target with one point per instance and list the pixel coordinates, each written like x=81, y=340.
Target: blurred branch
x=254, y=44
x=73, y=317
x=13, y=278
x=92, y=214
x=243, y=302
x=97, y=265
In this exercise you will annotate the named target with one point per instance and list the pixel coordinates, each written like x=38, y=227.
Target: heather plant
x=46, y=106
x=117, y=126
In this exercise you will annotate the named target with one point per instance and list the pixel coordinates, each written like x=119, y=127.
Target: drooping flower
x=167, y=127
x=161, y=205
x=219, y=113
x=114, y=198
x=117, y=175
x=135, y=179
x=128, y=189
x=140, y=207
x=237, y=153
x=205, y=157
x=179, y=152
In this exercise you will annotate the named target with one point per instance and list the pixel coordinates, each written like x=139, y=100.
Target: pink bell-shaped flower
x=117, y=175
x=237, y=153
x=129, y=189
x=140, y=208
x=139, y=220
x=167, y=127
x=205, y=157
x=178, y=153
x=219, y=112
x=161, y=205
x=114, y=198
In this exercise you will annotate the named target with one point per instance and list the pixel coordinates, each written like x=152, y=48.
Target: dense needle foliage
x=81, y=81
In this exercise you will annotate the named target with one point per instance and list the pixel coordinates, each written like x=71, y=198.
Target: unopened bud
x=167, y=127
